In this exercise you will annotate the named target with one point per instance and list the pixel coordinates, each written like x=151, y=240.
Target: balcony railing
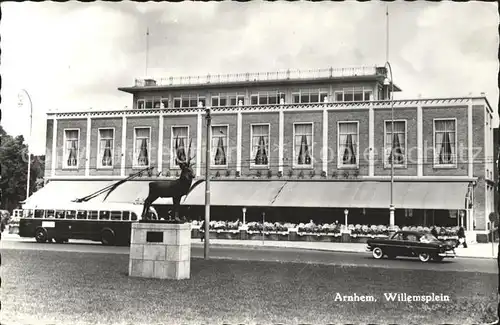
x=261, y=76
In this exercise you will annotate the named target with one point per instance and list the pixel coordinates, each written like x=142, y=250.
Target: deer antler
x=176, y=148
x=189, y=152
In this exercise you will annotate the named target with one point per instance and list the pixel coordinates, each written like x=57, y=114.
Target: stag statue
x=174, y=189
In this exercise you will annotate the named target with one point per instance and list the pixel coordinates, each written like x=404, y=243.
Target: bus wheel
x=41, y=235
x=108, y=237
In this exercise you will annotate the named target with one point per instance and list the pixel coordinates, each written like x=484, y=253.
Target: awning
x=63, y=191
x=318, y=194
x=357, y=194
x=236, y=193
x=66, y=191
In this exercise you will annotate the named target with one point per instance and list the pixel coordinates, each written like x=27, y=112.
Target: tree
x=14, y=163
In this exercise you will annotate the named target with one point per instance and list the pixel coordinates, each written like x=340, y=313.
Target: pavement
x=474, y=250
x=477, y=250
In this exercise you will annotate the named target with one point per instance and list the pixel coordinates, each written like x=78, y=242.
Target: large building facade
x=294, y=144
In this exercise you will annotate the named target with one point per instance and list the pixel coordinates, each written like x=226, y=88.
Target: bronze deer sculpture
x=174, y=189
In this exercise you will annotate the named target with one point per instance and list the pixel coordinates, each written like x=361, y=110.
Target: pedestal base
x=160, y=250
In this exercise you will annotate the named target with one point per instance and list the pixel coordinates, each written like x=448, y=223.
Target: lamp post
x=28, y=142
x=390, y=83
x=208, y=118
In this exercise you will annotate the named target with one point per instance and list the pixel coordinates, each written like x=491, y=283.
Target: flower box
x=227, y=235
x=318, y=237
x=256, y=235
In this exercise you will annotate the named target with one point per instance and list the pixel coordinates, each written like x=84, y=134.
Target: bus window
x=116, y=215
x=39, y=213
x=126, y=215
x=49, y=214
x=60, y=214
x=104, y=215
x=93, y=215
x=134, y=216
x=81, y=215
x=28, y=213
x=70, y=214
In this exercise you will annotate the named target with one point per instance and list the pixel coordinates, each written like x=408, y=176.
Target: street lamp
x=28, y=142
x=208, y=118
x=390, y=83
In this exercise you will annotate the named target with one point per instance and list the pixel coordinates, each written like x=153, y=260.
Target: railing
x=260, y=76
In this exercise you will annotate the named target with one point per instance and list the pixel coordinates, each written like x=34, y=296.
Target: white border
x=295, y=165
x=65, y=160
x=99, y=159
x=339, y=164
x=252, y=163
x=435, y=164
x=134, y=161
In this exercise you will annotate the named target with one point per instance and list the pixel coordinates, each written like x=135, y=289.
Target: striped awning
x=274, y=193
x=370, y=194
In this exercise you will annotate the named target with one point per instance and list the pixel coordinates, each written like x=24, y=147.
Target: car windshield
x=428, y=238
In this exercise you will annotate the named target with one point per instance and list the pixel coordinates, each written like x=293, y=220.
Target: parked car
x=411, y=243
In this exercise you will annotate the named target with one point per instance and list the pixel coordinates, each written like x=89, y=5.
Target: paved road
x=275, y=254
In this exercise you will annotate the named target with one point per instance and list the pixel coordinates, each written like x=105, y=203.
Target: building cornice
x=384, y=104
x=281, y=179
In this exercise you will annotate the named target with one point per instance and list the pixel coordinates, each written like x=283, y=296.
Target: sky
x=73, y=56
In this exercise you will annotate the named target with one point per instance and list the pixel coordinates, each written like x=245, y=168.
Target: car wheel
x=377, y=253
x=41, y=235
x=438, y=258
x=424, y=257
x=108, y=237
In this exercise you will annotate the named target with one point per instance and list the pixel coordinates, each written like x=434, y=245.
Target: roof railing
x=260, y=76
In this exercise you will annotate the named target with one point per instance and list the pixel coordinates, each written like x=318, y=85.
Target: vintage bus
x=109, y=223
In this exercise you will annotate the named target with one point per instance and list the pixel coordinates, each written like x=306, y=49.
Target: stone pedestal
x=160, y=250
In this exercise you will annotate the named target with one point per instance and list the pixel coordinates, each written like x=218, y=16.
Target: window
x=219, y=145
x=188, y=101
x=305, y=96
x=50, y=214
x=60, y=214
x=39, y=214
x=92, y=215
x=267, y=98
x=398, y=146
x=179, y=144
x=260, y=145
x=348, y=144
x=104, y=215
x=142, y=147
x=353, y=95
x=411, y=237
x=227, y=99
x=70, y=214
x=82, y=215
x=126, y=215
x=152, y=102
x=116, y=215
x=133, y=216
x=303, y=136
x=445, y=142
x=71, y=148
x=106, y=143
x=397, y=236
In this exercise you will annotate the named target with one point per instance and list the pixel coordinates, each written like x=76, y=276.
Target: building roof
x=259, y=79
